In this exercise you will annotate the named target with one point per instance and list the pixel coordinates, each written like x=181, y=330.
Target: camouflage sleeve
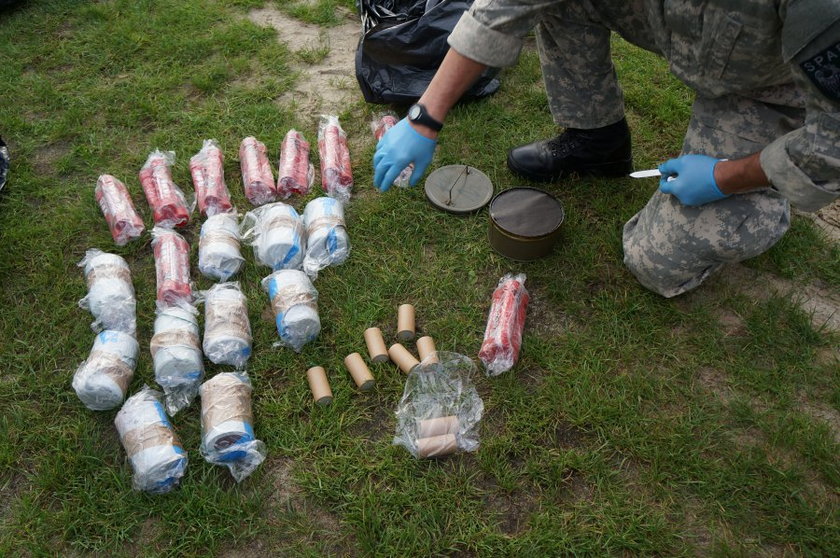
x=804, y=165
x=491, y=31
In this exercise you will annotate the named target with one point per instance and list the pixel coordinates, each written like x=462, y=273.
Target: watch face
x=413, y=112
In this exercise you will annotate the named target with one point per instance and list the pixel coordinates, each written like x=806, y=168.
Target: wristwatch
x=417, y=114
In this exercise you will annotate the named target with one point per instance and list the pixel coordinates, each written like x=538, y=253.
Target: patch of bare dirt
x=715, y=382
x=47, y=157
x=828, y=219
x=822, y=413
x=328, y=84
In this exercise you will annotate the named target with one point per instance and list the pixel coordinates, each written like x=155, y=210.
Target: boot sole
x=612, y=169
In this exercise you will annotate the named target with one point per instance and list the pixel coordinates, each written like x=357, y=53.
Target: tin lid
x=526, y=212
x=458, y=188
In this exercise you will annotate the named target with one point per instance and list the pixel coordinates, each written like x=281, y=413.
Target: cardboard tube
x=436, y=446
x=402, y=358
x=437, y=426
x=359, y=370
x=319, y=385
x=426, y=348
x=376, y=345
x=405, y=322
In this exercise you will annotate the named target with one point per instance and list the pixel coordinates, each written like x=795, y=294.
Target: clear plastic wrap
x=101, y=381
x=218, y=247
x=295, y=174
x=227, y=329
x=110, y=297
x=208, y=176
x=172, y=265
x=116, y=205
x=294, y=302
x=503, y=336
x=176, y=354
x=336, y=172
x=440, y=409
x=327, y=242
x=277, y=234
x=227, y=431
x=257, y=177
x=168, y=203
x=381, y=125
x=156, y=455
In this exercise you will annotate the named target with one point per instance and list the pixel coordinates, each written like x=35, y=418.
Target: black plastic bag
x=402, y=45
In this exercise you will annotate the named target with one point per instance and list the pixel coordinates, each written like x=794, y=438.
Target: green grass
x=631, y=424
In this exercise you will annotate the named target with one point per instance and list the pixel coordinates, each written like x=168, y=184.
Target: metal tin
x=524, y=223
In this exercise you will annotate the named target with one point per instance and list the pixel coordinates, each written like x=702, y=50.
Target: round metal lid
x=458, y=188
x=526, y=212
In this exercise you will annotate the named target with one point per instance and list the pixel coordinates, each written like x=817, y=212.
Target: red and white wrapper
x=336, y=173
x=172, y=264
x=208, y=176
x=257, y=177
x=115, y=202
x=169, y=206
x=381, y=125
x=295, y=173
x=503, y=336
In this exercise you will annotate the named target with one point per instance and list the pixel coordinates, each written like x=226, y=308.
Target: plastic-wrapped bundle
x=116, y=205
x=294, y=301
x=227, y=330
x=101, y=381
x=381, y=125
x=227, y=431
x=503, y=336
x=440, y=409
x=276, y=232
x=257, y=178
x=327, y=242
x=295, y=173
x=218, y=247
x=208, y=175
x=169, y=206
x=110, y=296
x=176, y=353
x=172, y=266
x=336, y=173
x=156, y=455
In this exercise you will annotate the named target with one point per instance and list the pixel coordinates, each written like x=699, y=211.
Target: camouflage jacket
x=718, y=47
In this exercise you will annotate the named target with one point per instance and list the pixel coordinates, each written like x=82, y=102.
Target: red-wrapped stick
x=115, y=202
x=503, y=336
x=169, y=206
x=208, y=175
x=381, y=125
x=336, y=173
x=295, y=172
x=257, y=177
x=172, y=266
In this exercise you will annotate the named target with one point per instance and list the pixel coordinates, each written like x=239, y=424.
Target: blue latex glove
x=400, y=146
x=691, y=178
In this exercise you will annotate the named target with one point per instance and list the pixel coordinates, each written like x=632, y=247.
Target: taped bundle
x=277, y=234
x=327, y=242
x=172, y=266
x=381, y=125
x=101, y=382
x=257, y=177
x=336, y=173
x=178, y=363
x=505, y=323
x=208, y=175
x=154, y=451
x=295, y=173
x=227, y=431
x=218, y=247
x=116, y=205
x=110, y=297
x=294, y=302
x=168, y=203
x=227, y=329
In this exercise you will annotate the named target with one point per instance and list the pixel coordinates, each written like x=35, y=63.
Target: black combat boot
x=597, y=152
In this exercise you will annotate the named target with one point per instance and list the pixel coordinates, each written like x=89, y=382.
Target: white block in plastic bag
x=327, y=242
x=218, y=247
x=102, y=380
x=176, y=354
x=110, y=296
x=294, y=302
x=227, y=329
x=277, y=234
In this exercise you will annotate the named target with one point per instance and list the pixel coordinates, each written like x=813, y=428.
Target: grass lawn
x=706, y=424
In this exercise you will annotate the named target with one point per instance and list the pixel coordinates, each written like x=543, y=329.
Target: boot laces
x=564, y=144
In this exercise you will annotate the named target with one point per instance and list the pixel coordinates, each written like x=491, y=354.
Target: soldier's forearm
x=740, y=175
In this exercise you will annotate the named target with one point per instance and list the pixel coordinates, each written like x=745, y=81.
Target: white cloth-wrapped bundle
x=110, y=296
x=101, y=381
x=218, y=247
x=176, y=353
x=294, y=301
x=227, y=329
x=277, y=234
x=327, y=242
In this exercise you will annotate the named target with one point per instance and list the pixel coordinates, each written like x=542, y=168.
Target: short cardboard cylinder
x=359, y=371
x=436, y=446
x=376, y=345
x=437, y=426
x=405, y=322
x=402, y=358
x=319, y=385
x=426, y=348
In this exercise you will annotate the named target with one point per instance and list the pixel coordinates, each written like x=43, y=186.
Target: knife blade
x=645, y=173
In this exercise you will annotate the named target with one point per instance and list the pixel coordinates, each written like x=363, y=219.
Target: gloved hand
x=691, y=178
x=400, y=146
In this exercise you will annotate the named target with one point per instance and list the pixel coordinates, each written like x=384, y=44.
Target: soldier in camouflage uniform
x=767, y=82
